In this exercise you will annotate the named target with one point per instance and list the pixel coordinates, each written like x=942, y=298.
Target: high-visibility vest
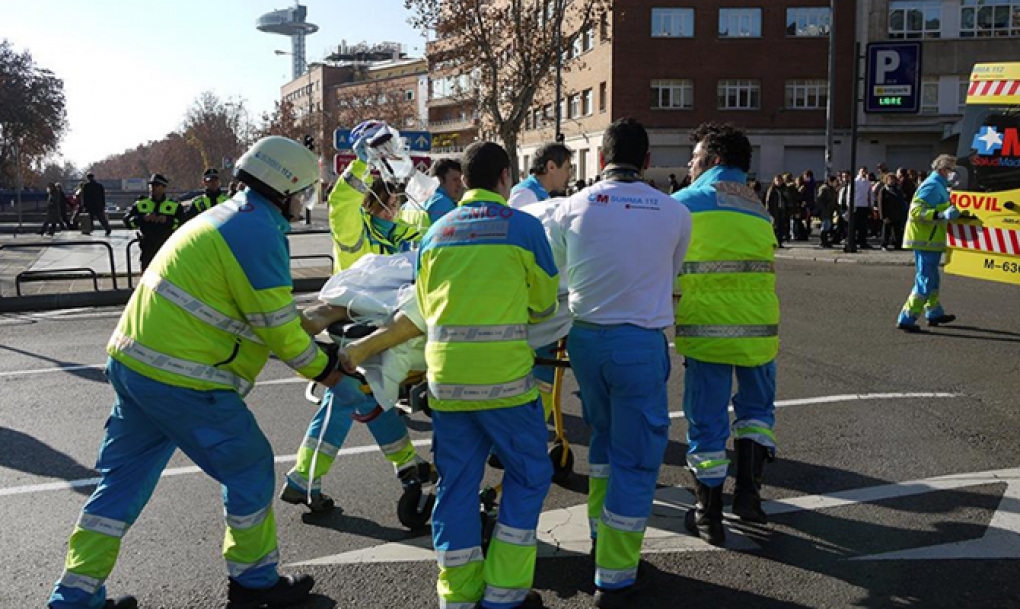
x=924, y=231
x=729, y=311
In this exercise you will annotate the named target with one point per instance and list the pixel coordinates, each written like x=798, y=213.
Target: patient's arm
x=317, y=318
x=400, y=331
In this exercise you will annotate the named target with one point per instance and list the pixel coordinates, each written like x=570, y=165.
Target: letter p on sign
x=886, y=62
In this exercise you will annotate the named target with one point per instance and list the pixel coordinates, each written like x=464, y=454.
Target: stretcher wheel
x=488, y=498
x=415, y=507
x=561, y=471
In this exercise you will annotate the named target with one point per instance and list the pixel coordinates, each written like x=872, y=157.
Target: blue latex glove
x=362, y=136
x=951, y=213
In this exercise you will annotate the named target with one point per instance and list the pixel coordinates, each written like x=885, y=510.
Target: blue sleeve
x=439, y=207
x=261, y=251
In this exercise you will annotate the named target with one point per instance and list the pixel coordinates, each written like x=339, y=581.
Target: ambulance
x=988, y=173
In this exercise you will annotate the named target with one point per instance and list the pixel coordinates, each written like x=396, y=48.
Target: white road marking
x=68, y=485
x=175, y=471
x=564, y=532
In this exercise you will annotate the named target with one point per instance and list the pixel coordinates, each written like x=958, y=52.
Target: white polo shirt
x=621, y=245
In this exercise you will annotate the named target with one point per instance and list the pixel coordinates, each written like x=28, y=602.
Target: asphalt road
x=897, y=485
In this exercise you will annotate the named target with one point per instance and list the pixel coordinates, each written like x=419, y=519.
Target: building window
x=672, y=22
x=983, y=18
x=964, y=88
x=588, y=39
x=582, y=164
x=586, y=108
x=740, y=23
x=739, y=94
x=602, y=97
x=603, y=27
x=574, y=106
x=672, y=94
x=915, y=19
x=808, y=21
x=929, y=96
x=806, y=94
x=409, y=95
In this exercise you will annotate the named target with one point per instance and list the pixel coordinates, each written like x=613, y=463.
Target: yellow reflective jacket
x=215, y=301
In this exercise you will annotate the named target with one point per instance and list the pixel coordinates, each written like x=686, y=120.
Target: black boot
x=751, y=458
x=121, y=602
x=288, y=590
x=705, y=519
x=941, y=319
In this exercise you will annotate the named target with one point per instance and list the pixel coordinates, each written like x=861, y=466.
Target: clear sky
x=131, y=68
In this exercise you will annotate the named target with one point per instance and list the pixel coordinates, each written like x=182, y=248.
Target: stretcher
x=414, y=508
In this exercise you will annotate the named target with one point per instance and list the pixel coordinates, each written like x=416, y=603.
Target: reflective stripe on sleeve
x=545, y=313
x=598, y=470
x=306, y=357
x=623, y=523
x=711, y=331
x=449, y=559
x=237, y=569
x=729, y=266
x=102, y=525
x=246, y=522
x=175, y=365
x=81, y=582
x=451, y=391
x=355, y=182
x=273, y=319
x=196, y=308
x=351, y=249
x=477, y=334
x=517, y=537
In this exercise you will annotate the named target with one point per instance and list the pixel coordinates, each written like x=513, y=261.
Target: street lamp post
x=17, y=181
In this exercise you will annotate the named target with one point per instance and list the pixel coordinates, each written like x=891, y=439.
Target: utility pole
x=17, y=181
x=559, y=69
x=830, y=101
x=850, y=245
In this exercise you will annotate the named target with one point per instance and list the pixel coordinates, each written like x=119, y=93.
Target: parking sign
x=893, y=82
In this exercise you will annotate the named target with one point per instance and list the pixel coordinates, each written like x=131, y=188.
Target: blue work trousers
x=707, y=391
x=148, y=422
x=925, y=294
x=462, y=441
x=622, y=372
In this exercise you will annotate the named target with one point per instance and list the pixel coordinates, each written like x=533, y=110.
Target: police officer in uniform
x=212, y=197
x=155, y=218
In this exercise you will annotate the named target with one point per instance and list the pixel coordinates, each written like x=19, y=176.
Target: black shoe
x=494, y=462
x=319, y=503
x=705, y=519
x=533, y=600
x=751, y=458
x=416, y=474
x=909, y=328
x=941, y=319
x=288, y=590
x=109, y=232
x=121, y=602
x=622, y=597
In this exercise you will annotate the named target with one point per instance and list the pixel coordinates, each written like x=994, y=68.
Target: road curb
x=845, y=260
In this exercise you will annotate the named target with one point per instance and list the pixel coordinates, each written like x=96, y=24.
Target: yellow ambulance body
x=988, y=157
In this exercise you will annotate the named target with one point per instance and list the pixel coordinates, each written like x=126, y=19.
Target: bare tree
x=215, y=128
x=381, y=100
x=32, y=113
x=507, y=48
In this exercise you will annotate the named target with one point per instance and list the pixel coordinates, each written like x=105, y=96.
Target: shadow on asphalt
x=88, y=374
x=364, y=527
x=24, y=453
x=986, y=334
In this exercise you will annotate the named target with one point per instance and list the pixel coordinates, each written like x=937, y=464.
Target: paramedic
x=621, y=302
x=485, y=271
x=188, y=348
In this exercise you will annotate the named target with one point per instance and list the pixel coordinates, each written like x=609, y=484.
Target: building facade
x=764, y=66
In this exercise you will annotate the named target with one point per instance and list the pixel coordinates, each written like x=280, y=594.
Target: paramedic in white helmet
x=188, y=348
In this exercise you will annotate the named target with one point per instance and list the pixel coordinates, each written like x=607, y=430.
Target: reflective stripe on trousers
x=451, y=391
x=181, y=367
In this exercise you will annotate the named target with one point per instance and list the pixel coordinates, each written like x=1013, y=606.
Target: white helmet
x=281, y=164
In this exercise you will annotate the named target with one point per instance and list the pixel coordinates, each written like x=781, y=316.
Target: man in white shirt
x=862, y=208
x=621, y=244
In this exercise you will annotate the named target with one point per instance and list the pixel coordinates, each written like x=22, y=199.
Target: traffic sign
x=342, y=159
x=893, y=81
x=418, y=141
